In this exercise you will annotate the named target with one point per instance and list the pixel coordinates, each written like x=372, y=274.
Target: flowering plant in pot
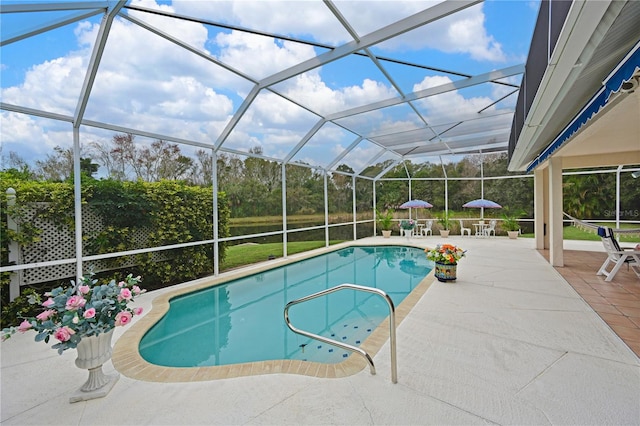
x=446, y=257
x=445, y=253
x=81, y=310
x=83, y=316
x=407, y=224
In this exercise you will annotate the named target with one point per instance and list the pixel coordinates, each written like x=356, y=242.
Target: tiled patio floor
x=617, y=302
x=509, y=343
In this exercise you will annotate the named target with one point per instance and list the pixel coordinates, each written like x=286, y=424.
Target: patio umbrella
x=482, y=204
x=415, y=204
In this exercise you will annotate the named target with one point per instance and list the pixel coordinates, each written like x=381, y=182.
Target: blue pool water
x=242, y=320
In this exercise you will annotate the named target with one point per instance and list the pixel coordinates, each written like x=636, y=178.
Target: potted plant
x=446, y=257
x=407, y=226
x=385, y=221
x=445, y=220
x=83, y=316
x=510, y=223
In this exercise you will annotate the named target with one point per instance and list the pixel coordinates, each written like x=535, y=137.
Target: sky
x=146, y=82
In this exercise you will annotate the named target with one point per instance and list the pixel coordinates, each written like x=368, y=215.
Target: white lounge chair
x=464, y=230
x=617, y=255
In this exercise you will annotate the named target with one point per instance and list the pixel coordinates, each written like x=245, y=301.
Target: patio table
x=480, y=227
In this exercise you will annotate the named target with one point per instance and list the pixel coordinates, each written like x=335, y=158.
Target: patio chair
x=616, y=255
x=427, y=228
x=491, y=228
x=464, y=230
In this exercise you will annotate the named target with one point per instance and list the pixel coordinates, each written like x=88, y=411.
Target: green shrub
x=13, y=312
x=121, y=204
x=169, y=213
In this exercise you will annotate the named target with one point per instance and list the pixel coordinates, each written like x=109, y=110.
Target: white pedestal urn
x=93, y=351
x=407, y=232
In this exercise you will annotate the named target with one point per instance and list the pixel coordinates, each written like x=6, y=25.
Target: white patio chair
x=426, y=229
x=464, y=230
x=617, y=256
x=491, y=228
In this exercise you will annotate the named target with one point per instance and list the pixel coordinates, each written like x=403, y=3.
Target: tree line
x=253, y=185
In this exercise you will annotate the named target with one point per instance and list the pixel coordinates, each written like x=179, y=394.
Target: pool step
x=351, y=333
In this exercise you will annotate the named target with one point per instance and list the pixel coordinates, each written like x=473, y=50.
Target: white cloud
x=368, y=16
x=468, y=35
x=52, y=86
x=142, y=82
x=310, y=18
x=391, y=126
x=23, y=127
x=32, y=137
x=191, y=33
x=361, y=155
x=463, y=32
x=449, y=106
x=260, y=56
x=312, y=91
x=149, y=83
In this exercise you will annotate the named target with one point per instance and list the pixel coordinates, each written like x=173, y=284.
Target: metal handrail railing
x=392, y=325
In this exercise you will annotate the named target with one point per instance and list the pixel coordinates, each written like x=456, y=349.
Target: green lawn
x=246, y=254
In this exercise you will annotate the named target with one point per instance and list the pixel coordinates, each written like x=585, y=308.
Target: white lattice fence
x=57, y=242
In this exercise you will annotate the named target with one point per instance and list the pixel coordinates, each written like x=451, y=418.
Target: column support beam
x=556, y=255
x=540, y=206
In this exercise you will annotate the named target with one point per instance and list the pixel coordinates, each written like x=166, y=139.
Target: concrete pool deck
x=511, y=342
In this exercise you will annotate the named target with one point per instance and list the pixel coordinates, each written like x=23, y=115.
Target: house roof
x=595, y=39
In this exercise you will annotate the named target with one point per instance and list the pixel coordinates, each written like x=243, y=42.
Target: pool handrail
x=392, y=325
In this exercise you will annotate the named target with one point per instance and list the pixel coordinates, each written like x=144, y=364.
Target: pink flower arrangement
x=81, y=310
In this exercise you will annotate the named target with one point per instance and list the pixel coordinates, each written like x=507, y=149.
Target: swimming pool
x=242, y=321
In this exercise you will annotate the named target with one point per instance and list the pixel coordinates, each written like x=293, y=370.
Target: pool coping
x=127, y=360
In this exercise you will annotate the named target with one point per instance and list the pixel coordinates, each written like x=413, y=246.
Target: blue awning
x=623, y=72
